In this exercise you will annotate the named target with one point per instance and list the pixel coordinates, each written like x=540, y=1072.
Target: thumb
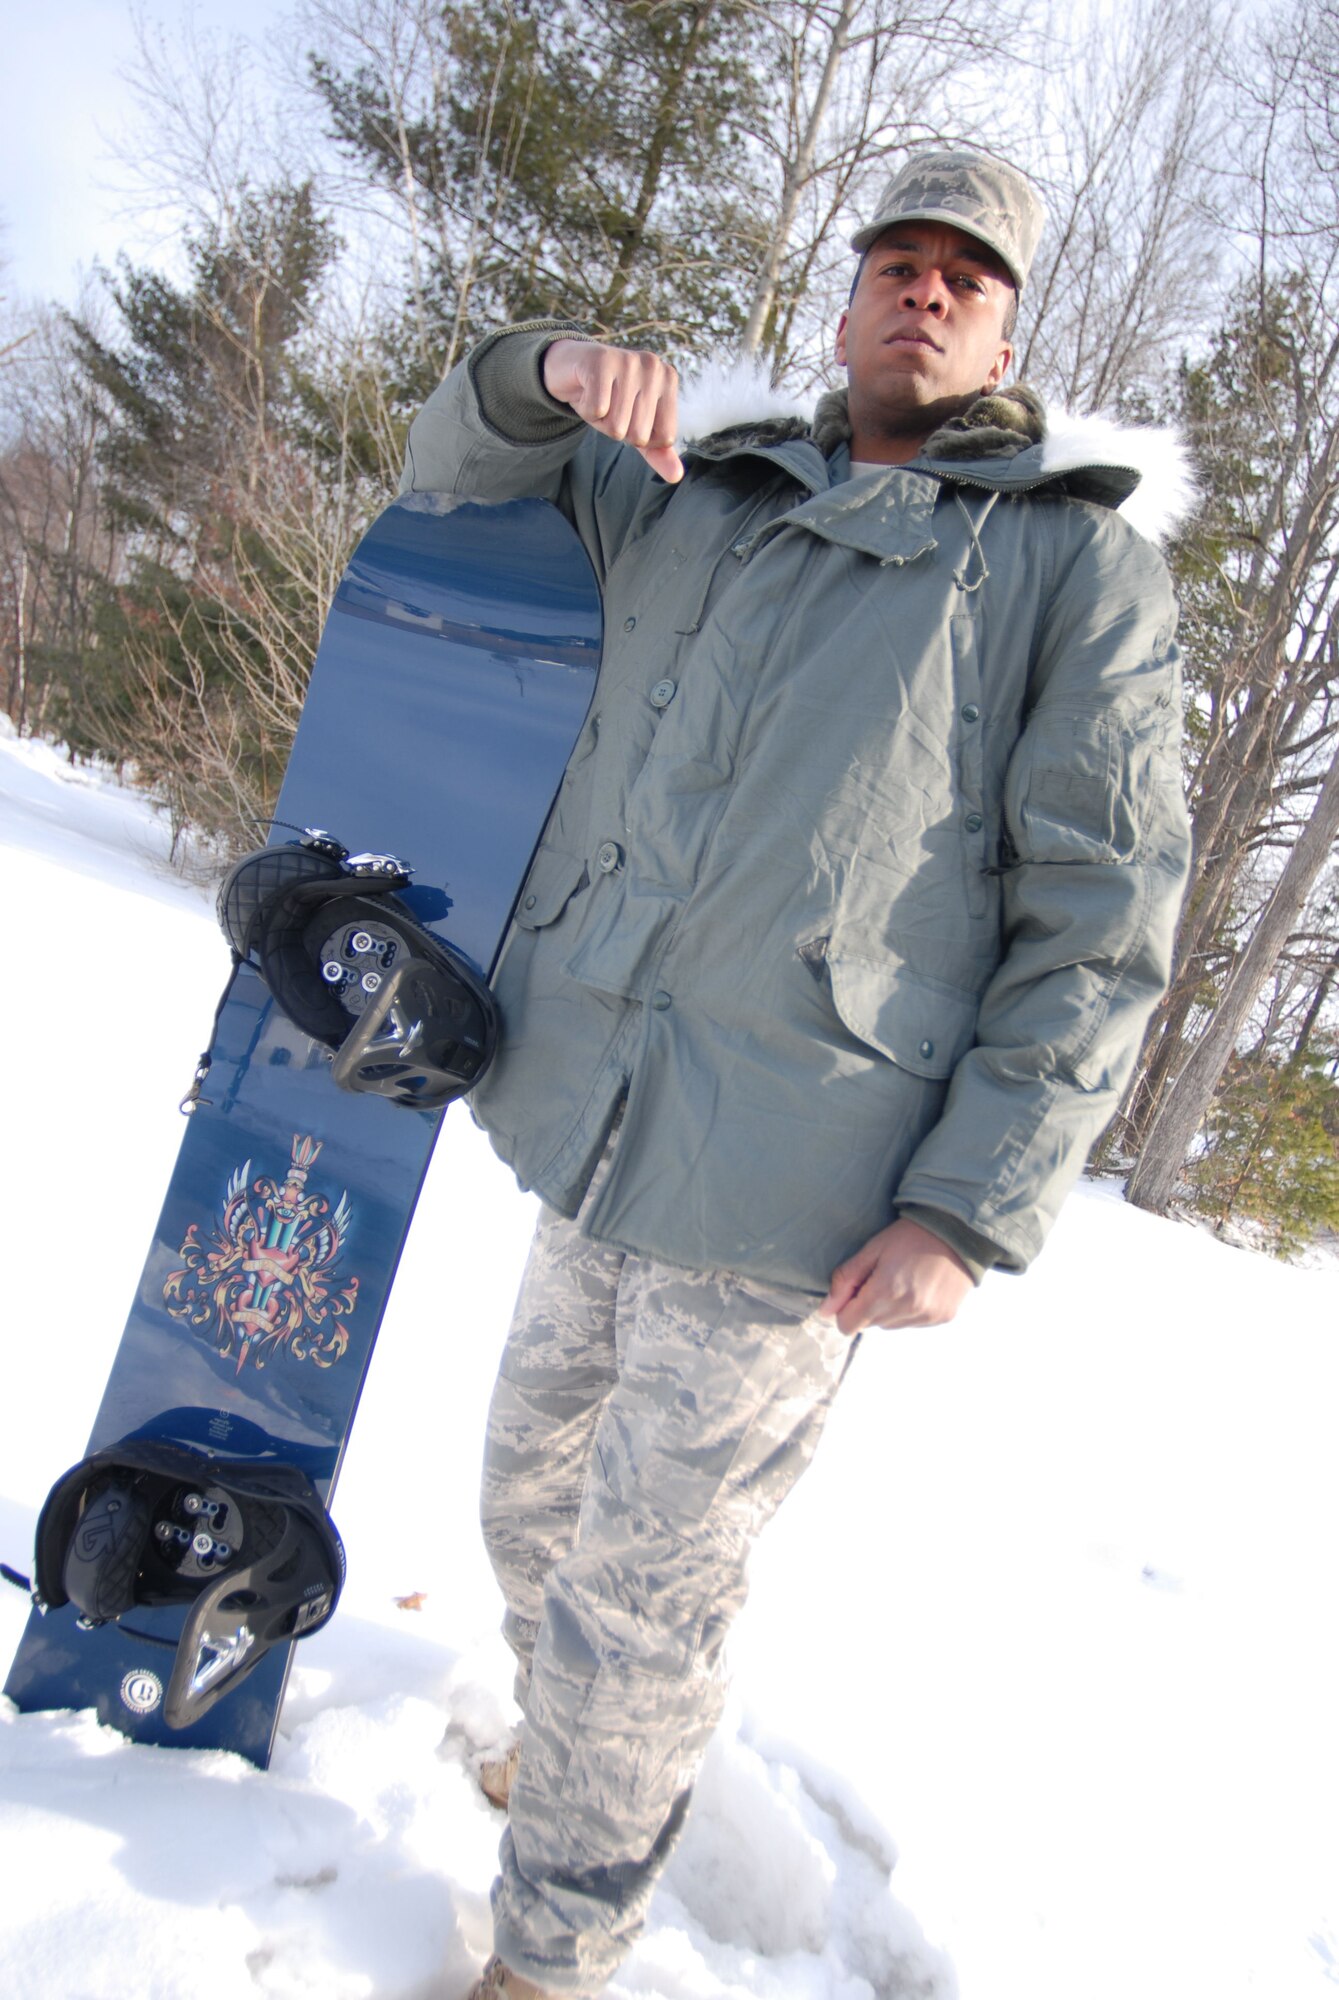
x=846, y=1281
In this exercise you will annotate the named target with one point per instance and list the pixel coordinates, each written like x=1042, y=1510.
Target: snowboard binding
x=404, y=1015
x=246, y=1545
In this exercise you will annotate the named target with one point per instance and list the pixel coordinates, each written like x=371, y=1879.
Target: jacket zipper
x=1029, y=485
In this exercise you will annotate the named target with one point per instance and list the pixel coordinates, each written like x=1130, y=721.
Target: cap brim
x=872, y=231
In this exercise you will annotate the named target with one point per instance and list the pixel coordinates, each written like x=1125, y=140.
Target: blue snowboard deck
x=453, y=677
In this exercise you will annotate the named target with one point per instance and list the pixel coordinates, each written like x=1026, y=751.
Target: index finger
x=663, y=458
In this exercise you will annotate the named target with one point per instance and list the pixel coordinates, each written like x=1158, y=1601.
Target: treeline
x=185, y=462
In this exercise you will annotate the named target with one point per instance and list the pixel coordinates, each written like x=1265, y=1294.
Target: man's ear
x=999, y=369
x=840, y=348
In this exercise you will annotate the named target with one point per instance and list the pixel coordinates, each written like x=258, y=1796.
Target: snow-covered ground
x=1034, y=1696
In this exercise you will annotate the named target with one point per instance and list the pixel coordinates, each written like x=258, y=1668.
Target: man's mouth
x=916, y=338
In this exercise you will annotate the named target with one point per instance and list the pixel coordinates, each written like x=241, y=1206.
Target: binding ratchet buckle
x=404, y=1015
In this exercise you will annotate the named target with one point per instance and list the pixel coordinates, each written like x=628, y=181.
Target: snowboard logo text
x=268, y=1279
x=141, y=1692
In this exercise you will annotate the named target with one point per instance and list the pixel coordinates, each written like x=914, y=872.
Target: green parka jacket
x=863, y=878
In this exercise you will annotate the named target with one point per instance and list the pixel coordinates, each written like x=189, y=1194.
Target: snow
x=1034, y=1696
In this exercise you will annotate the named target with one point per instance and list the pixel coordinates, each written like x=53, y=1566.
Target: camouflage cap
x=991, y=201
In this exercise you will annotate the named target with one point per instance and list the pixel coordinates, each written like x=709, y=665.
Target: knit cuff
x=977, y=1252
x=506, y=372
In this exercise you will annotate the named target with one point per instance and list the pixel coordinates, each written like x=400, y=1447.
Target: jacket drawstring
x=974, y=530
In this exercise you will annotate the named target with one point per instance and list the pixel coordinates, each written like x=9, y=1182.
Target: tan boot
x=497, y=1982
x=497, y=1775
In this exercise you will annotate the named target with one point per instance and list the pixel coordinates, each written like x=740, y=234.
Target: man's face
x=923, y=334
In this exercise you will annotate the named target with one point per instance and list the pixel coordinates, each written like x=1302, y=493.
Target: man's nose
x=926, y=292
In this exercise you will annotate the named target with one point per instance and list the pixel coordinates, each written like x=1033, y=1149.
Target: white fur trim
x=1166, y=494
x=733, y=392
x=740, y=392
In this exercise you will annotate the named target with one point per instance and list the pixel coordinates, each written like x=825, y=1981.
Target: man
x=833, y=961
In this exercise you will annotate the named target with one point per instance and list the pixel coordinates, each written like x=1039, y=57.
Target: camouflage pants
x=647, y=1422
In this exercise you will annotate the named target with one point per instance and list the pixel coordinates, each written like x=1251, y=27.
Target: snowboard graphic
x=452, y=680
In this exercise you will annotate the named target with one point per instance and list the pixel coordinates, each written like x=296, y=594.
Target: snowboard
x=453, y=676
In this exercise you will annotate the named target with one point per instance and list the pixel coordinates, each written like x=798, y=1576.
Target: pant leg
x=557, y=1368
x=723, y=1389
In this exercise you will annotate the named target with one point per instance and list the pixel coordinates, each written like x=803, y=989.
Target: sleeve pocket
x=920, y=1026
x=554, y=879
x=1070, y=792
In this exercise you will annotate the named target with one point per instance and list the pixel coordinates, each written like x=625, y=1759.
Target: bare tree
x=210, y=119
x=212, y=703
x=1154, y=1179
x=851, y=85
x=1127, y=145
x=55, y=544
x=581, y=156
x=805, y=116
x=1262, y=579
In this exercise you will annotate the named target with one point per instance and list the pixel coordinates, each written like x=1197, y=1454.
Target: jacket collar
x=889, y=516
x=1003, y=444
x=784, y=442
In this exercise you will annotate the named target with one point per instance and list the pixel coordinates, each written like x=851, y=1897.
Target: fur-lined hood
x=1004, y=441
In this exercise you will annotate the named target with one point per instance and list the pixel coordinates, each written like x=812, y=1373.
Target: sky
x=63, y=102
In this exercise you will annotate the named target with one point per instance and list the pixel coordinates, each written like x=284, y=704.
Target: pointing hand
x=623, y=393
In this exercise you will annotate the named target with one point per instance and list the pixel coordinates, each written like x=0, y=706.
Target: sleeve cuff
x=977, y=1252
x=505, y=370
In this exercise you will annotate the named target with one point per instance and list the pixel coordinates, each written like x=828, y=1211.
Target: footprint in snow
x=778, y=1864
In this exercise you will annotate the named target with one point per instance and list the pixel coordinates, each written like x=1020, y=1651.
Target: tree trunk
x=633, y=234
x=1249, y=787
x=798, y=174
x=1319, y=1000
x=21, y=648
x=1170, y=1135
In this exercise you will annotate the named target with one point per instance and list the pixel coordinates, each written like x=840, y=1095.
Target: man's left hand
x=904, y=1276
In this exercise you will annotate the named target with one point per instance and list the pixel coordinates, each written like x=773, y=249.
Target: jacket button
x=970, y=712
x=530, y=902
x=628, y=624
x=927, y=1049
x=662, y=694
x=974, y=822
x=660, y=1000
x=609, y=857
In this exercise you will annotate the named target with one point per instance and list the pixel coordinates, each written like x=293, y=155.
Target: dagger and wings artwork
x=266, y=1280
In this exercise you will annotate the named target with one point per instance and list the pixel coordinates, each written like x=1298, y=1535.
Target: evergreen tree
x=1257, y=585
x=585, y=157
x=207, y=376
x=1271, y=1148
x=215, y=467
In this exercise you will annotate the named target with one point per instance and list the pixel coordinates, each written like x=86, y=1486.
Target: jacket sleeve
x=491, y=431
x=1096, y=854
